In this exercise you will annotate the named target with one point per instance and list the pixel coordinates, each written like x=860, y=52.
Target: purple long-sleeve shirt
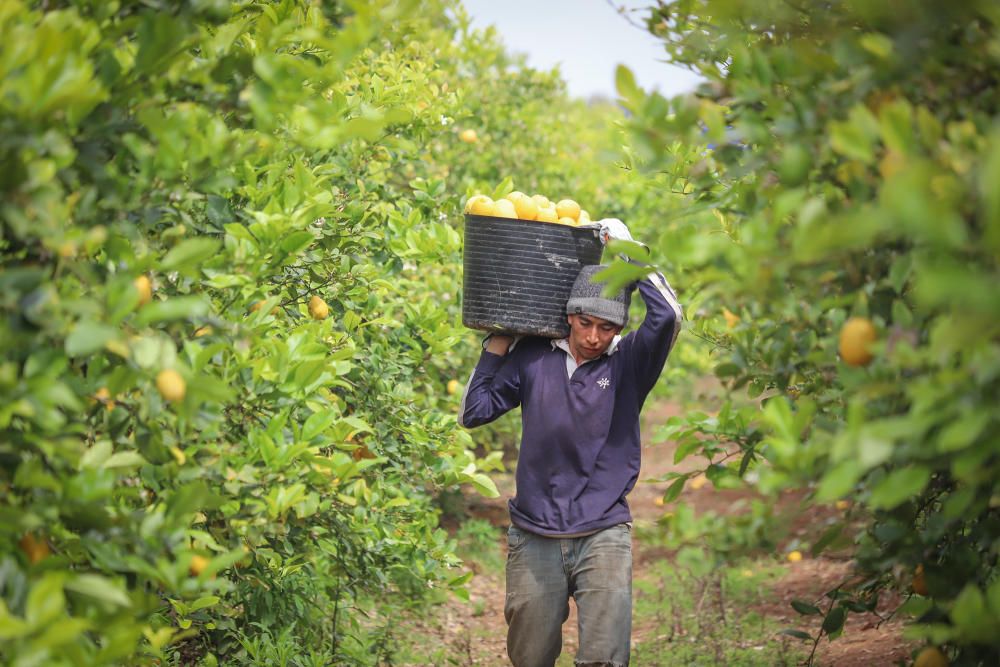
x=580, y=448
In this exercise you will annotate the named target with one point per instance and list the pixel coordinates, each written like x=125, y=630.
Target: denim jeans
x=543, y=572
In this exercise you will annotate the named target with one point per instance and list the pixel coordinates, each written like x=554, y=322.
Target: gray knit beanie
x=587, y=298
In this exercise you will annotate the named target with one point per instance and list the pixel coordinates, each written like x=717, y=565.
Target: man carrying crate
x=580, y=398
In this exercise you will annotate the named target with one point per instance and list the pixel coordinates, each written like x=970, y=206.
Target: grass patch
x=691, y=611
x=479, y=545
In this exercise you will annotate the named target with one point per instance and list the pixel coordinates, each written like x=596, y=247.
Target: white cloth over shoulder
x=613, y=228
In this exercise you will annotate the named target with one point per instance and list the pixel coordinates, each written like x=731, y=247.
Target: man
x=580, y=398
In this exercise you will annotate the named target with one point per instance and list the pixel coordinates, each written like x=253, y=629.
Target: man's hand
x=613, y=228
x=498, y=344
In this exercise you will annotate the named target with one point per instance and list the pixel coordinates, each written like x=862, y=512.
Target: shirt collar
x=563, y=344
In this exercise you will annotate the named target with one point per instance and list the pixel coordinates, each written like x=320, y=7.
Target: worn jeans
x=543, y=572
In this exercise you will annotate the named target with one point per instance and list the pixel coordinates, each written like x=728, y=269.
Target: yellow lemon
x=567, y=221
x=526, y=208
x=567, y=208
x=540, y=200
x=515, y=195
x=318, y=310
x=584, y=218
x=931, y=657
x=919, y=581
x=468, y=136
x=171, y=385
x=145, y=289
x=795, y=556
x=505, y=209
x=856, y=337
x=547, y=214
x=260, y=304
x=35, y=548
x=842, y=504
x=453, y=387
x=197, y=565
x=481, y=205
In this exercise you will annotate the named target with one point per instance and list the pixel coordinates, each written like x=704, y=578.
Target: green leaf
x=484, y=485
x=126, y=459
x=827, y=538
x=45, y=600
x=96, y=455
x=187, y=255
x=204, y=602
x=855, y=137
x=988, y=177
x=993, y=598
x=88, y=337
x=175, y=308
x=11, y=627
x=805, y=608
x=295, y=243
x=317, y=423
x=674, y=490
x=627, y=88
x=160, y=38
x=971, y=616
x=798, y=634
x=963, y=431
x=834, y=621
x=896, y=124
x=899, y=486
x=99, y=588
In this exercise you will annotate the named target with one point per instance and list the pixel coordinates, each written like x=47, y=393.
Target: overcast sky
x=587, y=39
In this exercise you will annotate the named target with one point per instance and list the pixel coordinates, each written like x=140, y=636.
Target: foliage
x=704, y=615
x=243, y=158
x=843, y=160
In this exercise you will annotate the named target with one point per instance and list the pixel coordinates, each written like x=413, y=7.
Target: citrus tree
x=841, y=162
x=231, y=266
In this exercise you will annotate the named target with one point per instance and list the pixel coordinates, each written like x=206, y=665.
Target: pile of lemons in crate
x=524, y=207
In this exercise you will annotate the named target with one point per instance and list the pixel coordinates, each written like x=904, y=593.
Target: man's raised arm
x=494, y=387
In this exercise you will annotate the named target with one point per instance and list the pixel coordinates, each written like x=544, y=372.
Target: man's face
x=590, y=336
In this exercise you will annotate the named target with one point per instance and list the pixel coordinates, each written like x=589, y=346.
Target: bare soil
x=476, y=630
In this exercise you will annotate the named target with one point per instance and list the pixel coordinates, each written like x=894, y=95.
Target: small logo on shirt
x=603, y=383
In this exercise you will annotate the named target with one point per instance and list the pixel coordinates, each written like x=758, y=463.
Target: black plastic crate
x=518, y=273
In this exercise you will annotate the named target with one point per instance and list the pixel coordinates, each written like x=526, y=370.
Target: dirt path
x=475, y=631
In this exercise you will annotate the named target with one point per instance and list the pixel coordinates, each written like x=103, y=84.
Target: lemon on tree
x=35, y=548
x=145, y=289
x=931, y=657
x=856, y=337
x=171, y=385
x=318, y=309
x=197, y=565
x=469, y=136
x=919, y=581
x=453, y=387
